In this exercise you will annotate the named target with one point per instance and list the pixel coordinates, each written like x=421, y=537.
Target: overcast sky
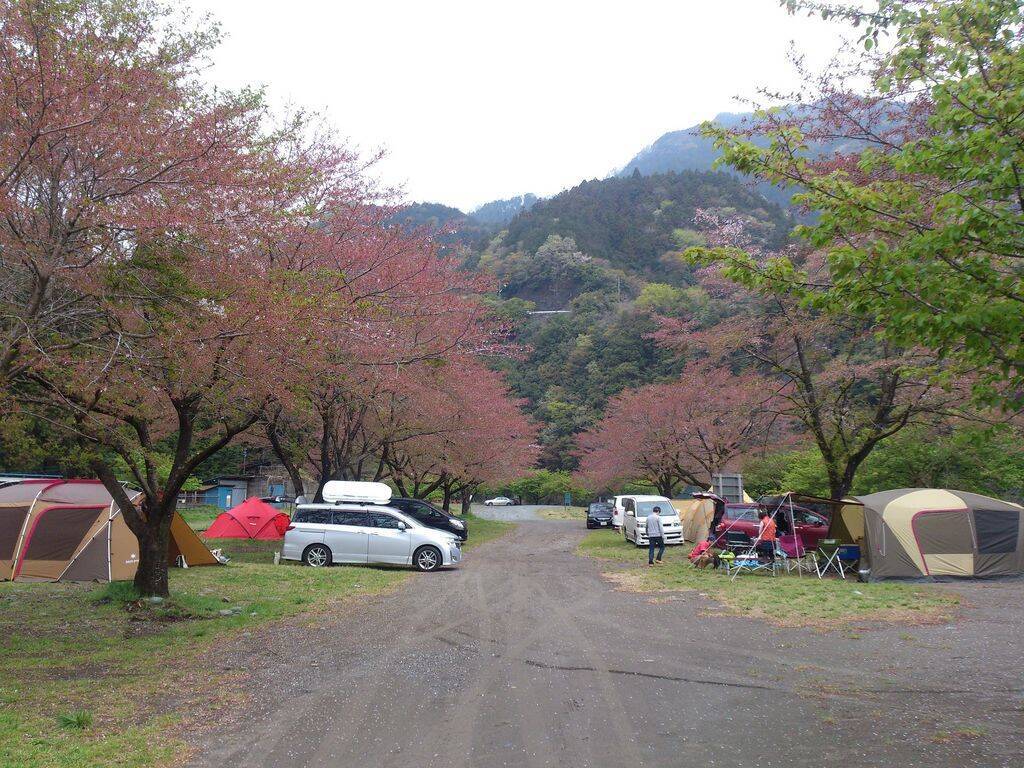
x=478, y=100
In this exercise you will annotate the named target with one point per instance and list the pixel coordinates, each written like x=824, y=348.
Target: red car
x=810, y=526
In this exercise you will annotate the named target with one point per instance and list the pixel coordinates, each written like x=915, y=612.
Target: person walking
x=655, y=537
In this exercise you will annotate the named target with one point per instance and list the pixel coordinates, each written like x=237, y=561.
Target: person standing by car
x=766, y=535
x=655, y=536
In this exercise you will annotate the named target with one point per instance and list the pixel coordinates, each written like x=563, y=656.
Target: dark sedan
x=431, y=516
x=599, y=515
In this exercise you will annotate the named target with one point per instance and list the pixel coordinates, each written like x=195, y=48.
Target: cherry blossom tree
x=847, y=384
x=475, y=433
x=682, y=431
x=162, y=246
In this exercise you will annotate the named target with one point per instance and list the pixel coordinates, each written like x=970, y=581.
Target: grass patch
x=481, y=530
x=200, y=517
x=959, y=734
x=93, y=676
x=562, y=513
x=75, y=720
x=783, y=600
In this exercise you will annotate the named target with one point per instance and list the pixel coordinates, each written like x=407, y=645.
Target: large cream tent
x=929, y=532
x=72, y=530
x=695, y=517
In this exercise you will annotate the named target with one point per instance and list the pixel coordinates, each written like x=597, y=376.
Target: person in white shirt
x=655, y=537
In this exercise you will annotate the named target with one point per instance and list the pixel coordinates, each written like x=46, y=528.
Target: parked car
x=599, y=515
x=637, y=508
x=499, y=501
x=284, y=503
x=431, y=516
x=354, y=525
x=618, y=512
x=743, y=518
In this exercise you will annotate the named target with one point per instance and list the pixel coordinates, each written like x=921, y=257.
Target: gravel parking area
x=526, y=656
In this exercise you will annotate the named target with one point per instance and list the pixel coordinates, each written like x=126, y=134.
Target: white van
x=618, y=512
x=635, y=512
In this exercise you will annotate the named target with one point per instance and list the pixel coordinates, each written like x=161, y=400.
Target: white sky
x=478, y=100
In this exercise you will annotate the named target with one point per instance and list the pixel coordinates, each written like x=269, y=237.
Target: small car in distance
x=354, y=525
x=499, y=501
x=599, y=515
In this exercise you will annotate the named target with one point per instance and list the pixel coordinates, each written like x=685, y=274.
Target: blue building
x=223, y=492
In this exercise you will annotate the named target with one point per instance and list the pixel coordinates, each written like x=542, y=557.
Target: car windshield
x=644, y=508
x=600, y=508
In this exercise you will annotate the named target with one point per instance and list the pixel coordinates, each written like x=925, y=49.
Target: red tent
x=252, y=519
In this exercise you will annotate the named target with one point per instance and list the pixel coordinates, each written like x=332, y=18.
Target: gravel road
x=517, y=514
x=525, y=656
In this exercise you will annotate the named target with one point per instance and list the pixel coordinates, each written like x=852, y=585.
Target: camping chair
x=827, y=558
x=794, y=555
x=750, y=560
x=736, y=542
x=849, y=557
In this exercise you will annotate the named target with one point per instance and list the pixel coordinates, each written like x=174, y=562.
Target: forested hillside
x=682, y=150
x=638, y=223
x=501, y=212
x=609, y=251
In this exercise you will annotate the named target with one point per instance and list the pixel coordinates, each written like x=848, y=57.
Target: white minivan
x=635, y=512
x=618, y=512
x=355, y=525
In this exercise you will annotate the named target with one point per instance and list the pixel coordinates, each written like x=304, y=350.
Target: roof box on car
x=337, y=491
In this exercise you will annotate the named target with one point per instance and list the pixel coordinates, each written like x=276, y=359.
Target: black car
x=432, y=517
x=599, y=515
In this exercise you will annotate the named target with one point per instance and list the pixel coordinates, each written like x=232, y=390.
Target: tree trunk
x=286, y=461
x=467, y=500
x=151, y=576
x=447, y=498
x=666, y=486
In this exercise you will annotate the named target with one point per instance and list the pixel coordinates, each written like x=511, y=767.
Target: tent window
x=58, y=532
x=11, y=520
x=997, y=530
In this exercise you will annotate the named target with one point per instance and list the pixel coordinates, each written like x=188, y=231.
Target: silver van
x=361, y=531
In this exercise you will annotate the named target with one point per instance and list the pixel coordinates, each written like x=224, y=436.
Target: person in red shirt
x=766, y=536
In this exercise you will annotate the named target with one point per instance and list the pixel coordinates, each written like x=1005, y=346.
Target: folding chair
x=736, y=542
x=849, y=557
x=750, y=560
x=827, y=558
x=794, y=555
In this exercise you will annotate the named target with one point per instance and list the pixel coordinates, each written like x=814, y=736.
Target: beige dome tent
x=695, y=517
x=72, y=530
x=928, y=532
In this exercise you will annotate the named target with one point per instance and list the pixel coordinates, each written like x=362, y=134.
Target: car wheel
x=427, y=559
x=317, y=556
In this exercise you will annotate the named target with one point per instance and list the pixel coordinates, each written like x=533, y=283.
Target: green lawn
x=562, y=513
x=201, y=517
x=85, y=671
x=788, y=600
x=481, y=531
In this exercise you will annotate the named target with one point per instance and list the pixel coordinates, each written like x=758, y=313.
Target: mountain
x=609, y=251
x=578, y=240
x=684, y=150
x=498, y=213
x=457, y=228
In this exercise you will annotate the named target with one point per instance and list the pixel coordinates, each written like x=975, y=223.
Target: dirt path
x=526, y=657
